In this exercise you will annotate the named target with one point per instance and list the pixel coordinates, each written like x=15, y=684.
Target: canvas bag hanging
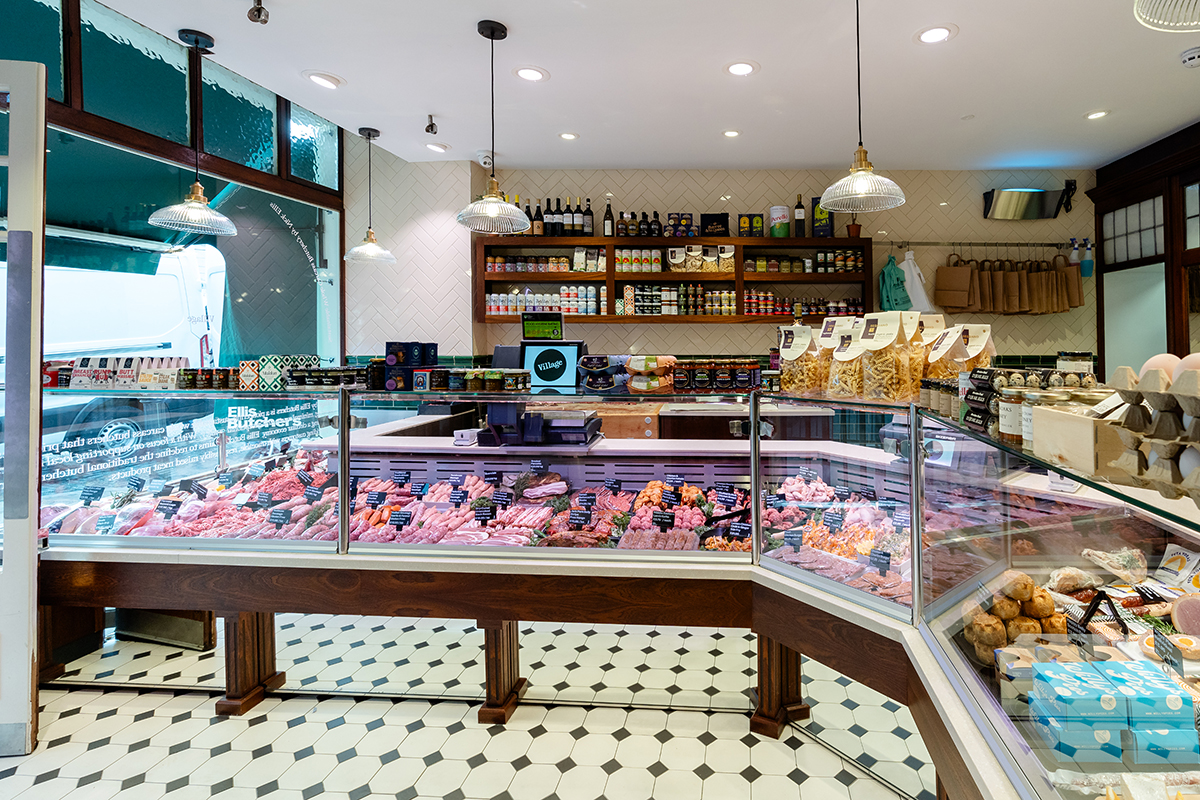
x=953, y=287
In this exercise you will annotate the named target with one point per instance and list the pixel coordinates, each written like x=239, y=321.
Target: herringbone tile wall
x=427, y=295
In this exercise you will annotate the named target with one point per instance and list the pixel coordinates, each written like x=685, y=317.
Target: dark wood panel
x=557, y=598
x=1179, y=151
x=954, y=778
x=859, y=654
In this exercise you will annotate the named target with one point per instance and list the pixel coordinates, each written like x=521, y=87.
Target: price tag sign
x=280, y=517
x=243, y=498
x=375, y=499
x=833, y=521
x=902, y=517
x=663, y=519
x=256, y=470
x=336, y=505
x=1169, y=652
x=419, y=490
x=739, y=530
x=671, y=498
x=263, y=499
x=502, y=499
x=457, y=479
x=841, y=492
x=794, y=538
x=353, y=486
x=807, y=473
x=157, y=488
x=613, y=485
x=168, y=508
x=313, y=493
x=586, y=500
x=56, y=526
x=887, y=505
x=538, y=466
x=458, y=497
x=867, y=494
x=91, y=494
x=398, y=519
x=199, y=489
x=304, y=478
x=727, y=499
x=492, y=476
x=881, y=560
x=777, y=501
x=485, y=513
x=401, y=476
x=1079, y=636
x=136, y=483
x=104, y=523
x=724, y=486
x=674, y=480
x=577, y=518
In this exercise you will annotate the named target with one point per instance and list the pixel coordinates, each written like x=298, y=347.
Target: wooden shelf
x=651, y=319
x=805, y=277
x=543, y=277
x=671, y=277
x=668, y=241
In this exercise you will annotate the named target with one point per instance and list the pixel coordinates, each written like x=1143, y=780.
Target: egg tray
x=1155, y=417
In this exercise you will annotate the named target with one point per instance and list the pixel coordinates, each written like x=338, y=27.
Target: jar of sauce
x=723, y=377
x=493, y=380
x=511, y=379
x=702, y=376
x=1011, y=419
x=683, y=377
x=743, y=376
x=1034, y=398
x=439, y=380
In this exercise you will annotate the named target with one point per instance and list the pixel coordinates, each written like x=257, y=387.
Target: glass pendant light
x=862, y=190
x=1172, y=16
x=490, y=214
x=193, y=215
x=370, y=251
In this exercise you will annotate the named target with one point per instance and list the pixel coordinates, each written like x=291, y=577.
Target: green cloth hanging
x=892, y=295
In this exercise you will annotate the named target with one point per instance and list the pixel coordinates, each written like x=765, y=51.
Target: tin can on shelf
x=187, y=378
x=683, y=377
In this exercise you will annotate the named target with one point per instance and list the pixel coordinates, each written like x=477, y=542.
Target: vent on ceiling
x=1190, y=57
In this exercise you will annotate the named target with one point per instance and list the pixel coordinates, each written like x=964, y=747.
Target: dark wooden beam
x=1169, y=155
x=72, y=55
x=503, y=684
x=780, y=689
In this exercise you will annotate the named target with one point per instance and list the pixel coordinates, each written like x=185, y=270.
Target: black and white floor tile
x=641, y=667
x=149, y=744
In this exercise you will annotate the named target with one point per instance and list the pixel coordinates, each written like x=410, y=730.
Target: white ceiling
x=643, y=83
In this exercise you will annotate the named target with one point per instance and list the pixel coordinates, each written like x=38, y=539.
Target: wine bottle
x=644, y=225
x=621, y=229
x=610, y=225
x=528, y=216
x=577, y=214
x=539, y=222
x=589, y=221
x=549, y=219
x=559, y=223
x=800, y=223
x=655, y=226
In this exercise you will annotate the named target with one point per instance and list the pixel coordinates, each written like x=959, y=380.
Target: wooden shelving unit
x=483, y=246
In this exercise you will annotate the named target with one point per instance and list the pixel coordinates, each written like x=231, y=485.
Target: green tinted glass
x=132, y=75
x=32, y=31
x=239, y=119
x=314, y=148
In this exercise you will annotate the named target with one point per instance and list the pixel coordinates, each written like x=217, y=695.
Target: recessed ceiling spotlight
x=732, y=134
x=742, y=68
x=967, y=117
x=438, y=147
x=1097, y=114
x=936, y=34
x=568, y=136
x=326, y=80
x=943, y=204
x=532, y=73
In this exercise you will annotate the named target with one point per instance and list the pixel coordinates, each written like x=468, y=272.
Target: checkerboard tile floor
x=643, y=667
x=147, y=744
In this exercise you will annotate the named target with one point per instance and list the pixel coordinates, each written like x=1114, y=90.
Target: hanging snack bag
x=944, y=355
x=885, y=364
x=827, y=341
x=846, y=370
x=800, y=362
x=980, y=347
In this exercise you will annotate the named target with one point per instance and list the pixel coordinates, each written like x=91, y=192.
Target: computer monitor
x=552, y=365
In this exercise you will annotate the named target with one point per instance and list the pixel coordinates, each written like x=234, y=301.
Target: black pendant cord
x=493, y=108
x=858, y=64
x=369, y=186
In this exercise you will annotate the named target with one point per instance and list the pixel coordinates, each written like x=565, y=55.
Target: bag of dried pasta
x=885, y=365
x=910, y=322
x=827, y=341
x=799, y=361
x=846, y=369
x=943, y=356
x=979, y=348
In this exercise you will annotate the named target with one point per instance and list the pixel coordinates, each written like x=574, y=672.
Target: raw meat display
x=655, y=539
x=810, y=491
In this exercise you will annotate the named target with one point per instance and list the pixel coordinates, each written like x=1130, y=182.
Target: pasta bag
x=846, y=369
x=827, y=342
x=942, y=357
x=885, y=367
x=979, y=347
x=800, y=362
x=910, y=322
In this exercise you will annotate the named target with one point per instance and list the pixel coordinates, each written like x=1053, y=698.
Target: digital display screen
x=543, y=325
x=551, y=365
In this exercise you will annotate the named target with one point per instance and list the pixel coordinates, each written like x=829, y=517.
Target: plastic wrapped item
x=650, y=365
x=915, y=344
x=979, y=347
x=846, y=369
x=945, y=354
x=1070, y=579
x=885, y=365
x=802, y=371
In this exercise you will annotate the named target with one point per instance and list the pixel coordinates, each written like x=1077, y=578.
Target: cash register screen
x=551, y=364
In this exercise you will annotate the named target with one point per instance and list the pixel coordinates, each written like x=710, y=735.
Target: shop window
x=239, y=119
x=32, y=31
x=314, y=148
x=1191, y=215
x=134, y=76
x=1133, y=232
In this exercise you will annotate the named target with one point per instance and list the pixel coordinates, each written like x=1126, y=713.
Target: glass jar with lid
x=1011, y=424
x=1032, y=399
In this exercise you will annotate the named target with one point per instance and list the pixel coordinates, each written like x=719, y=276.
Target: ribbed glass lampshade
x=862, y=190
x=194, y=216
x=1173, y=16
x=490, y=214
x=370, y=252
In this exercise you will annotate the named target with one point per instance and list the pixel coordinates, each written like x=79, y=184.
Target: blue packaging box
x=398, y=379
x=404, y=354
x=1160, y=748
x=1077, y=695
x=1089, y=745
x=429, y=354
x=1152, y=697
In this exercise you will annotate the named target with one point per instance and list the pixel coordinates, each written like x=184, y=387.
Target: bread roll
x=1039, y=606
x=1017, y=585
x=1018, y=625
x=1005, y=607
x=969, y=632
x=985, y=653
x=1055, y=623
x=989, y=631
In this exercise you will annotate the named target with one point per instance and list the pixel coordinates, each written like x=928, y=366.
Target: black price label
x=304, y=478
x=671, y=498
x=419, y=490
x=90, y=494
x=1079, y=636
x=56, y=526
x=586, y=500
x=136, y=483
x=457, y=479
x=492, y=476
x=727, y=499
x=902, y=517
x=841, y=492
x=401, y=476
x=1169, y=652
x=157, y=488
x=777, y=501
x=613, y=485
x=270, y=464
x=538, y=466
x=256, y=470
x=887, y=505
x=398, y=519
x=353, y=485
x=199, y=489
x=881, y=560
x=739, y=530
x=104, y=523
x=577, y=518
x=224, y=478
x=794, y=538
x=833, y=520
x=375, y=499
x=724, y=486
x=336, y=505
x=263, y=499
x=502, y=499
x=807, y=473
x=867, y=494
x=674, y=480
x=168, y=508
x=280, y=517
x=485, y=513
x=458, y=496
x=313, y=493
x=663, y=519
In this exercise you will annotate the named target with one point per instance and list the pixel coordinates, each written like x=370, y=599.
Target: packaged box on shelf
x=248, y=376
x=271, y=377
x=1078, y=696
x=750, y=225
x=822, y=220
x=1152, y=697
x=1081, y=443
x=129, y=368
x=403, y=354
x=1166, y=747
x=714, y=224
x=420, y=380
x=1086, y=745
x=398, y=379
x=429, y=354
